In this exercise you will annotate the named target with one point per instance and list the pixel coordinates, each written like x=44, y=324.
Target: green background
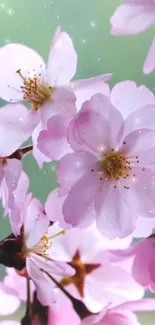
x=87, y=21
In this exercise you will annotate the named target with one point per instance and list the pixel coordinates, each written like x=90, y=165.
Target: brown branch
x=19, y=153
x=78, y=305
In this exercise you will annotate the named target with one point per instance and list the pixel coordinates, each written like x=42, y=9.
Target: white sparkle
x=92, y=24
x=10, y=11
x=57, y=16
x=84, y=41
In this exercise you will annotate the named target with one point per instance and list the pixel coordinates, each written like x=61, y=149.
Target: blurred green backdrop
x=87, y=21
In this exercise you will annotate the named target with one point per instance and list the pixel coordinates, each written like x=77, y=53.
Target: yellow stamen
x=34, y=90
x=62, y=232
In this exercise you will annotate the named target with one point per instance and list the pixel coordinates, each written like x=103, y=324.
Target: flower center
x=42, y=247
x=114, y=165
x=35, y=91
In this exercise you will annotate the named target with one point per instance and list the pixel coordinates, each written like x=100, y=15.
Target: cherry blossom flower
x=46, y=88
x=108, y=165
x=134, y=17
x=33, y=244
x=93, y=281
x=122, y=314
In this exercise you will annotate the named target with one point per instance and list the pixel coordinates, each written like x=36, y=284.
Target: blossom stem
x=27, y=320
x=78, y=305
x=19, y=153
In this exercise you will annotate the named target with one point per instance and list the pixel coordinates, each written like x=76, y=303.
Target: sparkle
x=10, y=11
x=84, y=41
x=92, y=24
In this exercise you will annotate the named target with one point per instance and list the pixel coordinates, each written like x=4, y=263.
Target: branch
x=78, y=305
x=27, y=320
x=19, y=153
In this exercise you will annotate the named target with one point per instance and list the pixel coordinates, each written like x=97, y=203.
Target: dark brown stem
x=19, y=153
x=78, y=305
x=27, y=320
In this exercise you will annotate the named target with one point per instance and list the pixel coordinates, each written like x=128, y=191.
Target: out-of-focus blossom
x=33, y=245
x=16, y=280
x=112, y=162
x=134, y=17
x=62, y=312
x=144, y=262
x=47, y=88
x=93, y=282
x=9, y=301
x=122, y=314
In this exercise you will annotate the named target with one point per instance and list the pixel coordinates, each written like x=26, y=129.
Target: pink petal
x=9, y=303
x=84, y=89
x=21, y=191
x=141, y=144
x=39, y=156
x=121, y=318
x=123, y=289
x=117, y=219
x=16, y=126
x=79, y=202
x=62, y=61
x=142, y=261
x=35, y=222
x=62, y=102
x=15, y=57
x=144, y=227
x=72, y=167
x=149, y=64
x=62, y=313
x=145, y=304
x=52, y=267
x=42, y=283
x=140, y=195
x=1, y=174
x=73, y=138
x=127, y=97
x=142, y=118
x=17, y=204
x=18, y=284
x=99, y=124
x=53, y=208
x=12, y=172
x=53, y=141
x=132, y=19
x=91, y=131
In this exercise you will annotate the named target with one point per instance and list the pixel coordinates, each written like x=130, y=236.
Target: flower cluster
x=70, y=261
